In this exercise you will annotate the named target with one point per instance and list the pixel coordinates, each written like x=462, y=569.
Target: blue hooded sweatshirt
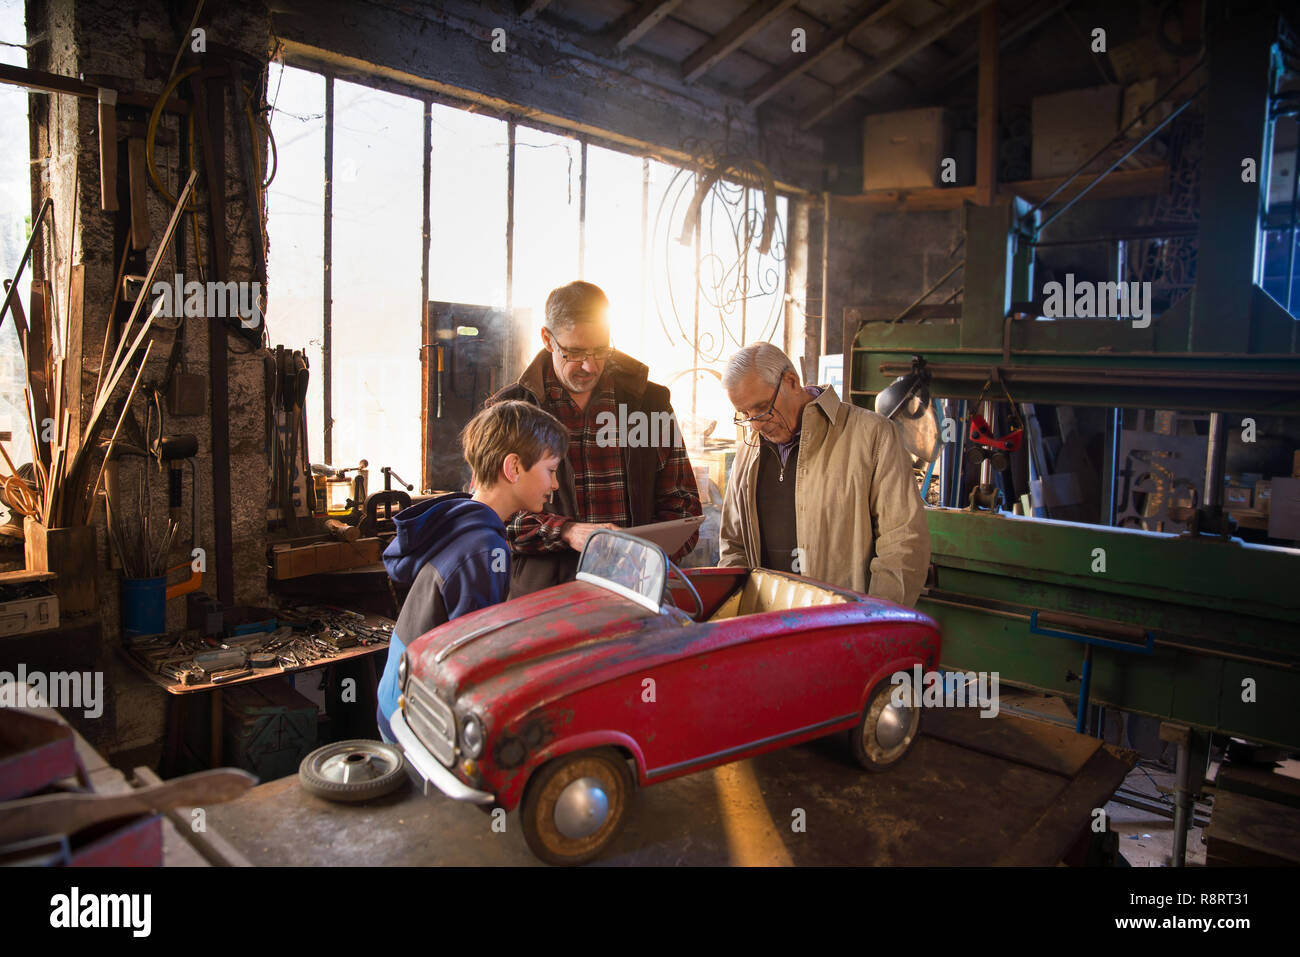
x=452, y=551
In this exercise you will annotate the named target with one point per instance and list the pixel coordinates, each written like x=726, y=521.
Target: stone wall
x=133, y=49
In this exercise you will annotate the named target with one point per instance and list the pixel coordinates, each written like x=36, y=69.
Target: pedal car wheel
x=886, y=731
x=574, y=806
x=356, y=770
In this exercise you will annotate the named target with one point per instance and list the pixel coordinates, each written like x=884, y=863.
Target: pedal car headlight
x=471, y=736
x=402, y=668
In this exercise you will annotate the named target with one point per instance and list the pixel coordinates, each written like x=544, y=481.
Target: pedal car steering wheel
x=699, y=605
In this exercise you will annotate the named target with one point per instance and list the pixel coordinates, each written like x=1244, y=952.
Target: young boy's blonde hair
x=511, y=426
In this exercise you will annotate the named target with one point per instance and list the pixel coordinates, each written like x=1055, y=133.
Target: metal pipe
x=1085, y=686
x=327, y=282
x=1078, y=375
x=1215, y=460
x=1182, y=802
x=1153, y=232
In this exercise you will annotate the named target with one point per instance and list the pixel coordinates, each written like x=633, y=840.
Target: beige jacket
x=859, y=515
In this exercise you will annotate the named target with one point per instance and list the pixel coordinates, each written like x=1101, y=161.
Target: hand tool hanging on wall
x=287, y=379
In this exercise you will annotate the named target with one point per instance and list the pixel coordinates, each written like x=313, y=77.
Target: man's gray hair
x=767, y=360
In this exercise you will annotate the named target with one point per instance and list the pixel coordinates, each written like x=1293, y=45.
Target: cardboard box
x=1284, y=509
x=1069, y=127
x=903, y=150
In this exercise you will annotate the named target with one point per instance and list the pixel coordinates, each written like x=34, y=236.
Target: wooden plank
x=107, y=150
x=640, y=20
x=1249, y=831
x=1035, y=744
x=54, y=83
x=141, y=231
x=986, y=149
x=1057, y=829
x=38, y=344
x=1260, y=783
x=73, y=358
x=895, y=56
x=752, y=19
x=214, y=848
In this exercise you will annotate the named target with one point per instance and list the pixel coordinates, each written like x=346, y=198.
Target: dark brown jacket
x=532, y=572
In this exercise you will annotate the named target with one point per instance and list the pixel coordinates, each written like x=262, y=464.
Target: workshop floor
x=1146, y=838
x=946, y=804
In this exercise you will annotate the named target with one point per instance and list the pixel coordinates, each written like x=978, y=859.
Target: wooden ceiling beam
x=640, y=20
x=834, y=40
x=754, y=18
x=902, y=51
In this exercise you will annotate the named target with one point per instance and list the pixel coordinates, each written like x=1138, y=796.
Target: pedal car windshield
x=629, y=566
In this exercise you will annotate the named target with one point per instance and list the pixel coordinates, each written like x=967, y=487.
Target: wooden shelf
x=1137, y=182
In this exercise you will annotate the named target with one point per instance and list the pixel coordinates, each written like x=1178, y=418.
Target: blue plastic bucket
x=144, y=606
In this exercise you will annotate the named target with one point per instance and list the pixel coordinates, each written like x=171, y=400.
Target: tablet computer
x=670, y=535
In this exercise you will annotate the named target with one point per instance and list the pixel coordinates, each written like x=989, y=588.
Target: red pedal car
x=556, y=702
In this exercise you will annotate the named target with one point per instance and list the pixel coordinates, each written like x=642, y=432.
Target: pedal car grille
x=431, y=720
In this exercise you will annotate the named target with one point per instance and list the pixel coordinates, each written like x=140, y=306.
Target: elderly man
x=607, y=480
x=821, y=487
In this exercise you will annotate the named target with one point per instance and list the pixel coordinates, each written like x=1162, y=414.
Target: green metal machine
x=1200, y=630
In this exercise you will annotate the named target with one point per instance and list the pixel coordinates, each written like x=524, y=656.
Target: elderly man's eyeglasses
x=762, y=416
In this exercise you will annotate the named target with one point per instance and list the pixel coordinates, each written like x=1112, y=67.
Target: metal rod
x=510, y=223
x=1111, y=168
x=1154, y=232
x=1085, y=686
x=1077, y=375
x=920, y=299
x=1182, y=801
x=645, y=241
x=1117, y=137
x=582, y=214
x=1215, y=460
x=327, y=259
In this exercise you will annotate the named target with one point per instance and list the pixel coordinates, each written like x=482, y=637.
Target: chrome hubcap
x=892, y=724
x=581, y=808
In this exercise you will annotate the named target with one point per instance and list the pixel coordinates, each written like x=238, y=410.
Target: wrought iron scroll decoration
x=741, y=256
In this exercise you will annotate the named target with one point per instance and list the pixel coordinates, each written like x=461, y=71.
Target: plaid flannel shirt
x=599, y=480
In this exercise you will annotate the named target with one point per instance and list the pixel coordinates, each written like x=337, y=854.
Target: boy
x=452, y=549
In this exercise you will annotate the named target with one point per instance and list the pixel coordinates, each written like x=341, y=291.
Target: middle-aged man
x=821, y=487
x=639, y=478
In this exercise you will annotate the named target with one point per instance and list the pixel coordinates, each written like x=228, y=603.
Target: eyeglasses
x=582, y=355
x=751, y=420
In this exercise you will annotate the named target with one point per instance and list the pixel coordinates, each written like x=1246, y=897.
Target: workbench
x=176, y=711
x=973, y=791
